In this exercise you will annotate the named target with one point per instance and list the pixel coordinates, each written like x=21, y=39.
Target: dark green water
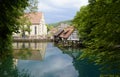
x=46, y=60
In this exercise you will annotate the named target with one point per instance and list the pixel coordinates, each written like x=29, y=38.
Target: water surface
x=55, y=62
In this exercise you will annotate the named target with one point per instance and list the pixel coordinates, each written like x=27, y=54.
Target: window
x=35, y=30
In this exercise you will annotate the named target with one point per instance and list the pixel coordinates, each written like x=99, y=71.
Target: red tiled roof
x=67, y=32
x=34, y=17
x=58, y=32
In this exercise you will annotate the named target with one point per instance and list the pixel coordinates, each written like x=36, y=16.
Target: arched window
x=35, y=30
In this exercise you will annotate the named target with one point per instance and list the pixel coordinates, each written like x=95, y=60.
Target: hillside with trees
x=69, y=22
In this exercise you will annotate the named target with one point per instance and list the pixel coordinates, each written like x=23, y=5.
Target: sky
x=60, y=10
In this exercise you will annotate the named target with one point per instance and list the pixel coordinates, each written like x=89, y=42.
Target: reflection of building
x=38, y=29
x=28, y=50
x=15, y=61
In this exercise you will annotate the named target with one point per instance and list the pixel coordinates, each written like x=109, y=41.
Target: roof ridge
x=34, y=17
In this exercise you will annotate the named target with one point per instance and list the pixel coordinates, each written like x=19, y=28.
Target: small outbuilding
x=67, y=36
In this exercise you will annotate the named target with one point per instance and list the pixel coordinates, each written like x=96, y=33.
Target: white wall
x=74, y=36
x=41, y=29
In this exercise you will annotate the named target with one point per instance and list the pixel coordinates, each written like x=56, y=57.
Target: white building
x=38, y=29
x=74, y=36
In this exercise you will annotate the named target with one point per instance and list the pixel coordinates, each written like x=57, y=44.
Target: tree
x=10, y=15
x=24, y=21
x=33, y=6
x=49, y=27
x=9, y=22
x=24, y=26
x=11, y=10
x=99, y=26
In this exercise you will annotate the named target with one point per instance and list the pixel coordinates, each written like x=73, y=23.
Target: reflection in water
x=85, y=68
x=56, y=63
x=30, y=51
x=8, y=68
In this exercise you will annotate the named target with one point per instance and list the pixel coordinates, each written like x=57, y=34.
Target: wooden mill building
x=67, y=36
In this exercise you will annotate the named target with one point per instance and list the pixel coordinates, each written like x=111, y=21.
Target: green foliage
x=11, y=11
x=99, y=27
x=24, y=25
x=9, y=22
x=24, y=20
x=49, y=27
x=33, y=6
x=8, y=68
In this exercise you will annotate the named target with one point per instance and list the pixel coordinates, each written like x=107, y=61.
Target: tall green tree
x=10, y=15
x=11, y=10
x=24, y=26
x=99, y=27
x=24, y=21
x=33, y=6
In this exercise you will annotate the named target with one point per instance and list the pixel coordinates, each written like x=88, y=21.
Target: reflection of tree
x=71, y=52
x=85, y=68
x=24, y=53
x=8, y=69
x=29, y=50
x=109, y=75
